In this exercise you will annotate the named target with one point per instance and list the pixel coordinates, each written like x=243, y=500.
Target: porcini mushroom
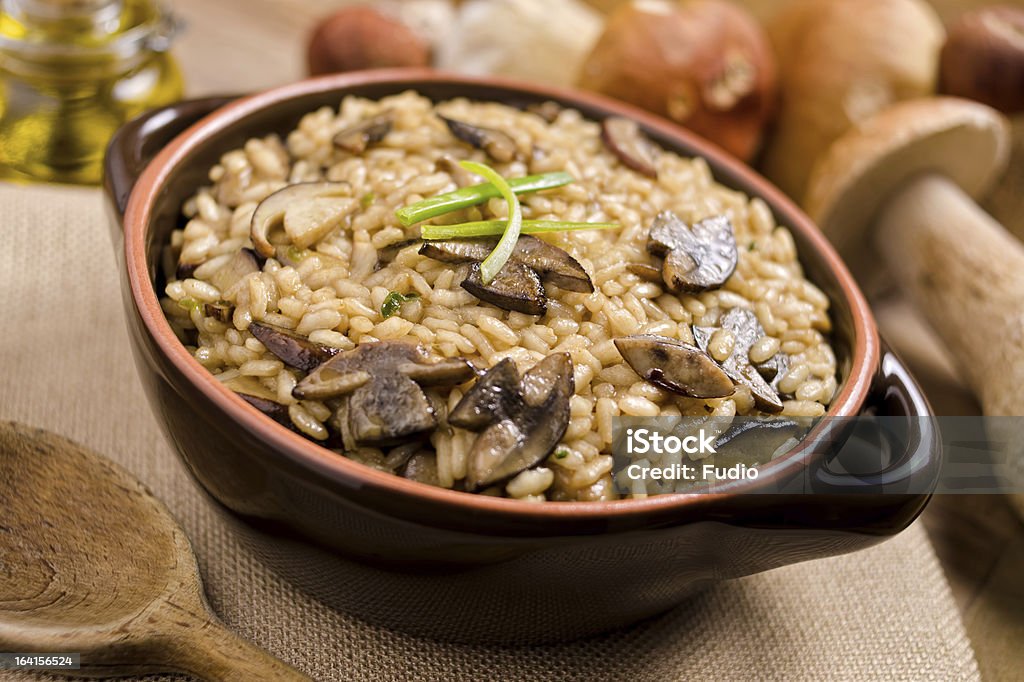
x=632, y=147
x=746, y=330
x=364, y=37
x=698, y=257
x=292, y=349
x=515, y=287
x=498, y=145
x=840, y=62
x=675, y=366
x=518, y=284
x=381, y=383
x=520, y=420
x=902, y=182
x=355, y=139
x=705, y=64
x=306, y=210
x=983, y=60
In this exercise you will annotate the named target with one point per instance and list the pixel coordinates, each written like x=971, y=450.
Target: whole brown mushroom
x=363, y=37
x=840, y=62
x=705, y=64
x=983, y=58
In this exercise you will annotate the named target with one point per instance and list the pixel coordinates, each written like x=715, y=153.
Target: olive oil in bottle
x=71, y=72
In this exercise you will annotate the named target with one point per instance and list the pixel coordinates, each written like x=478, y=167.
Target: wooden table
x=235, y=46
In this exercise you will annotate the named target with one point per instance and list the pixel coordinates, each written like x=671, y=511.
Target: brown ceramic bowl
x=468, y=566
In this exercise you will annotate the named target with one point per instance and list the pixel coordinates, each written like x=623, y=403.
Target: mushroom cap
x=965, y=141
x=983, y=58
x=841, y=62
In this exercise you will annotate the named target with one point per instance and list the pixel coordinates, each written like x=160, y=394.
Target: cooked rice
x=340, y=305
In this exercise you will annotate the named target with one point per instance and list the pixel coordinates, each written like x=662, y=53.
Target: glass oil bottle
x=71, y=72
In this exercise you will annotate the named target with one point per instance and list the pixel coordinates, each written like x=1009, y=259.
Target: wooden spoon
x=92, y=563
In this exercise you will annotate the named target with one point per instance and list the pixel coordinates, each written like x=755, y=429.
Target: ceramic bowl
x=472, y=567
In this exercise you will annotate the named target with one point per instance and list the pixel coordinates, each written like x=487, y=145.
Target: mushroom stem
x=965, y=272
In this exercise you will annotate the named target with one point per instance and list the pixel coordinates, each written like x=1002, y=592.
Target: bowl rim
x=308, y=455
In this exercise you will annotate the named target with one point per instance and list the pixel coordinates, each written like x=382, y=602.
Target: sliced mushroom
x=746, y=329
x=450, y=165
x=554, y=265
x=292, y=349
x=498, y=145
x=219, y=311
x=516, y=287
x=632, y=147
x=675, y=366
x=518, y=284
x=697, y=258
x=484, y=398
x=389, y=253
x=185, y=270
x=260, y=397
x=547, y=110
x=242, y=264
x=307, y=210
x=646, y=272
x=520, y=420
x=422, y=467
x=357, y=138
x=384, y=402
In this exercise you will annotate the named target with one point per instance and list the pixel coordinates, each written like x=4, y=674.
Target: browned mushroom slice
x=292, y=349
x=746, y=329
x=516, y=287
x=357, y=138
x=646, y=272
x=547, y=110
x=450, y=165
x=242, y=264
x=520, y=420
x=697, y=258
x=388, y=409
x=554, y=265
x=220, y=311
x=469, y=250
x=632, y=147
x=498, y=145
x=259, y=396
x=306, y=210
x=675, y=366
x=513, y=286
x=482, y=401
x=389, y=253
x=422, y=467
x=185, y=270
x=384, y=401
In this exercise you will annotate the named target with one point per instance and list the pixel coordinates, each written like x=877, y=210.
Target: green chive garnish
x=493, y=228
x=492, y=265
x=477, y=194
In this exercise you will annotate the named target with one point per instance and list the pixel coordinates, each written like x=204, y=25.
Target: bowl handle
x=907, y=420
x=140, y=139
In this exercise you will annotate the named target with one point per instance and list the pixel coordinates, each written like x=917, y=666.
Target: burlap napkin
x=881, y=614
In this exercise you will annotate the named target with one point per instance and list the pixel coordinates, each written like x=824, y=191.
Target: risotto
x=362, y=284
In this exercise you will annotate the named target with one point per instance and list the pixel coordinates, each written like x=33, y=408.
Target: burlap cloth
x=881, y=614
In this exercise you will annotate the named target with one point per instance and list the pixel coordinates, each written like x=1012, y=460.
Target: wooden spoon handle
x=208, y=649
x=965, y=272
